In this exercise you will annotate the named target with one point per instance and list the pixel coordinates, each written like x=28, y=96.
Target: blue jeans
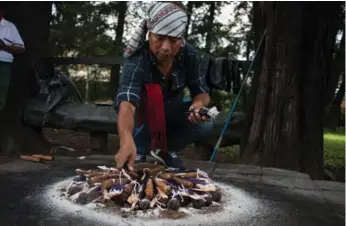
x=180, y=131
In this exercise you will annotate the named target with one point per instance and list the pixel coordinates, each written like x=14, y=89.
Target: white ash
x=235, y=205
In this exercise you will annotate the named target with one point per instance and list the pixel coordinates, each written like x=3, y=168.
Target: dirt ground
x=77, y=144
x=80, y=143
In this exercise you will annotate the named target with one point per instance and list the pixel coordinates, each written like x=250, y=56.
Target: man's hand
x=2, y=44
x=126, y=154
x=194, y=116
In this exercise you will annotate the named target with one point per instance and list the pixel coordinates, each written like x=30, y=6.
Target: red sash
x=151, y=109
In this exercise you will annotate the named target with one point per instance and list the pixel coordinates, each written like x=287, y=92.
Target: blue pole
x=137, y=131
x=233, y=107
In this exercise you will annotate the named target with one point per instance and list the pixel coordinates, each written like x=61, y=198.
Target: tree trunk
x=319, y=21
x=257, y=27
x=189, y=13
x=34, y=29
x=115, y=70
x=248, y=50
x=273, y=132
x=337, y=69
x=285, y=130
x=208, y=40
x=87, y=83
x=334, y=114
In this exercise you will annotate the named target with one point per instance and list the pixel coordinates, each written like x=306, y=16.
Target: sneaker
x=140, y=158
x=170, y=159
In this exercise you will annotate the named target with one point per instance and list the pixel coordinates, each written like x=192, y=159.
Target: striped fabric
x=164, y=18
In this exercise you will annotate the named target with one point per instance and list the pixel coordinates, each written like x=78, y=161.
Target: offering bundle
x=148, y=186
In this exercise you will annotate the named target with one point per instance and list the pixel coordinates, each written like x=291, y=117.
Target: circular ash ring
x=150, y=193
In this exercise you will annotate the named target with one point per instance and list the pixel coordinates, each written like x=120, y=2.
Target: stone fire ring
x=251, y=196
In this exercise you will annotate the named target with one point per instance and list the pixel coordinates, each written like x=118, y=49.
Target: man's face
x=164, y=47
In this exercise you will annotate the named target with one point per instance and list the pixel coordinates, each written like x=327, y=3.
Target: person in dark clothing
x=150, y=93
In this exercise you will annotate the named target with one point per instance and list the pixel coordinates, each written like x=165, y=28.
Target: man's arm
x=128, y=99
x=197, y=82
x=13, y=45
x=13, y=49
x=125, y=122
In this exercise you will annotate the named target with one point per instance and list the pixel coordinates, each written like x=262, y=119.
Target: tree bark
x=319, y=40
x=208, y=39
x=285, y=129
x=273, y=132
x=87, y=84
x=337, y=69
x=34, y=29
x=115, y=70
x=189, y=13
x=258, y=26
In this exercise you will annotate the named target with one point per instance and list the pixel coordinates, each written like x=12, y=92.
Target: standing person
x=11, y=44
x=150, y=93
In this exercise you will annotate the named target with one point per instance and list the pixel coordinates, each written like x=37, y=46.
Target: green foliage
x=79, y=29
x=243, y=18
x=223, y=101
x=231, y=150
x=86, y=28
x=135, y=14
x=226, y=39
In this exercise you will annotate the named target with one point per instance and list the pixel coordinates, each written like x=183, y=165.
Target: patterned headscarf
x=164, y=18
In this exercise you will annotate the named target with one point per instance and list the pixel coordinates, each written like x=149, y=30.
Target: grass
x=334, y=150
x=232, y=152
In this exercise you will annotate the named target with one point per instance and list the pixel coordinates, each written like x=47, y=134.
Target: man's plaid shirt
x=140, y=69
